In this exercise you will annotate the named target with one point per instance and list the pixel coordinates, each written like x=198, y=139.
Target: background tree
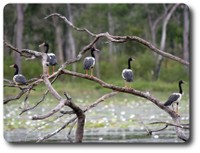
x=19, y=30
x=130, y=38
x=186, y=47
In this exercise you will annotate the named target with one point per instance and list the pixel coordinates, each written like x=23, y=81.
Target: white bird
x=174, y=98
x=127, y=74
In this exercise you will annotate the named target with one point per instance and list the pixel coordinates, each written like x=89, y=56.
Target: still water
x=99, y=136
x=110, y=122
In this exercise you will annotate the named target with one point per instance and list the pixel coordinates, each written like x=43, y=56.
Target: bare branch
x=122, y=89
x=7, y=80
x=101, y=99
x=70, y=24
x=80, y=116
x=70, y=130
x=11, y=47
x=104, y=97
x=171, y=124
x=24, y=52
x=42, y=99
x=177, y=126
x=56, y=131
x=18, y=96
x=120, y=39
x=53, y=111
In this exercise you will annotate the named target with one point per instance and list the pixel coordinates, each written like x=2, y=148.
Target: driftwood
x=66, y=100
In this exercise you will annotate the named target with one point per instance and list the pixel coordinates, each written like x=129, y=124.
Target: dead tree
x=163, y=39
x=66, y=100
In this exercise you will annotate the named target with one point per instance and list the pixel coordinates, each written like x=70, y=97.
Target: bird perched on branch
x=174, y=98
x=127, y=74
x=89, y=62
x=18, y=79
x=51, y=57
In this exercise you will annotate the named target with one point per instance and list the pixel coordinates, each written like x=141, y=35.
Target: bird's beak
x=97, y=50
x=41, y=45
x=11, y=66
x=186, y=83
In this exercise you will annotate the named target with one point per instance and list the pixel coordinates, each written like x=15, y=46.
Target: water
x=112, y=121
x=99, y=136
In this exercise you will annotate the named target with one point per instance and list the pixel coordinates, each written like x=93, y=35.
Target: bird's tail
x=166, y=103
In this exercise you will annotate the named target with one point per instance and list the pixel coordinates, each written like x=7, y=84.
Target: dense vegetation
x=117, y=19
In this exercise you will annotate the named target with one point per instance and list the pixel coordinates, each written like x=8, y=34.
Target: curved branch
x=101, y=99
x=122, y=89
x=120, y=39
x=171, y=124
x=173, y=114
x=18, y=96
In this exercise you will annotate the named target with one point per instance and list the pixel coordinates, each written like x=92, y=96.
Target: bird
x=174, y=98
x=127, y=74
x=18, y=79
x=89, y=62
x=51, y=57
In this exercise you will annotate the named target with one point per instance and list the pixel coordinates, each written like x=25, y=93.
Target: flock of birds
x=88, y=64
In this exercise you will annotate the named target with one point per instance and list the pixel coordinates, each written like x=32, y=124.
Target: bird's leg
x=172, y=106
x=129, y=85
x=86, y=72
x=177, y=108
x=91, y=72
x=125, y=84
x=52, y=69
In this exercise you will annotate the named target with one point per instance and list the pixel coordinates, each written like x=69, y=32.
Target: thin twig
x=101, y=99
x=121, y=39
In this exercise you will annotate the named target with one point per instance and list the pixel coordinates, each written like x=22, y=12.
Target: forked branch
x=121, y=39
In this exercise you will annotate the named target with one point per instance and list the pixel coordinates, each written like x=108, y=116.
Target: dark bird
x=89, y=62
x=18, y=79
x=174, y=98
x=51, y=57
x=127, y=74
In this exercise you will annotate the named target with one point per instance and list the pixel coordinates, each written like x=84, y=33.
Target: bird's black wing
x=20, y=79
x=87, y=64
x=171, y=99
x=51, y=58
x=128, y=75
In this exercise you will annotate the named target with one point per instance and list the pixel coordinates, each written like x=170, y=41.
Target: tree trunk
x=59, y=43
x=111, y=31
x=153, y=24
x=186, y=34
x=163, y=41
x=72, y=46
x=19, y=36
x=97, y=67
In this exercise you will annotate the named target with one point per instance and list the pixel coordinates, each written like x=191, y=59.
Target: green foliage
x=172, y=71
x=128, y=19
x=30, y=69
